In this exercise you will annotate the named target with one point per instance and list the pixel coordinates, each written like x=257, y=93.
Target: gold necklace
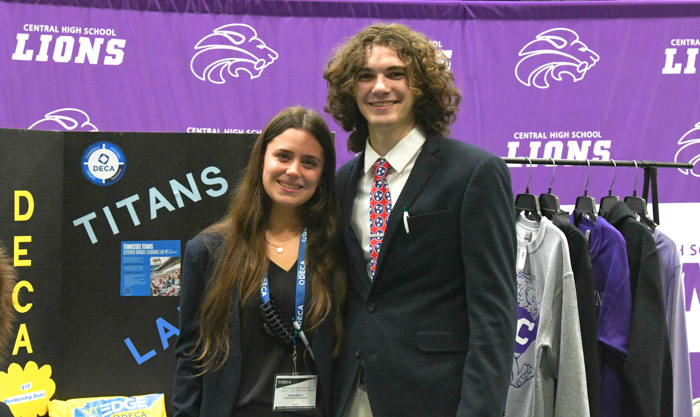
x=278, y=248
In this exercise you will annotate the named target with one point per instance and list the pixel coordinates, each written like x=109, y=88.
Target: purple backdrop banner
x=608, y=84
x=603, y=80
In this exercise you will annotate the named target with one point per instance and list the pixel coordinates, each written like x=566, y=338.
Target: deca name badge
x=295, y=392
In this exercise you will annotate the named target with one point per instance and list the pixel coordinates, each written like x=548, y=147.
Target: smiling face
x=292, y=168
x=383, y=95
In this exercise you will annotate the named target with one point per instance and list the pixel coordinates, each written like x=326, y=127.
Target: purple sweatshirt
x=614, y=307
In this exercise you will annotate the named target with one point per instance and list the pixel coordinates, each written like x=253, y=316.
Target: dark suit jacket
x=214, y=394
x=647, y=369
x=435, y=329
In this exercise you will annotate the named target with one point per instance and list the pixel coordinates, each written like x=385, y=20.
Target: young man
x=431, y=305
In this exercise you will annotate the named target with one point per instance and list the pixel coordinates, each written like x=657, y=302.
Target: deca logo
x=103, y=163
x=554, y=53
x=231, y=50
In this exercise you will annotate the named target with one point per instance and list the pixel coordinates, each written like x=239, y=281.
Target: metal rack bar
x=650, y=172
x=606, y=163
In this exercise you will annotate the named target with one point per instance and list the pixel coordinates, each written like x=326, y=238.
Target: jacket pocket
x=447, y=340
x=427, y=218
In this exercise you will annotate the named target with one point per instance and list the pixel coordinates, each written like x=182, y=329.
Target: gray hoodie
x=548, y=377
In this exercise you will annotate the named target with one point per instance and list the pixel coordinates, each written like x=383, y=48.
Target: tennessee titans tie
x=379, y=210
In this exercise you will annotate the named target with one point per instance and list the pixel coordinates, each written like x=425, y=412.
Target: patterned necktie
x=379, y=210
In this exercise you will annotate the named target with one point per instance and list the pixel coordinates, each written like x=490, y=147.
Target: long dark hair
x=8, y=276
x=241, y=258
x=429, y=78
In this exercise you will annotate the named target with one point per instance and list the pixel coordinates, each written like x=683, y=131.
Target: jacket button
x=371, y=307
x=358, y=353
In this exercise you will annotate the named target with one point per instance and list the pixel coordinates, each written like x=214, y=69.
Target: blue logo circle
x=103, y=163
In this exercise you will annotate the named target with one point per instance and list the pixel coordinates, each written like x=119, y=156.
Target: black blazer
x=214, y=394
x=435, y=329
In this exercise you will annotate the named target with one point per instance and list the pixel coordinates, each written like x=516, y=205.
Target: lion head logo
x=553, y=53
x=690, y=151
x=232, y=49
x=66, y=119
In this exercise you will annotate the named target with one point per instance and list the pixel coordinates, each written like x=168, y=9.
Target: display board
x=574, y=80
x=97, y=223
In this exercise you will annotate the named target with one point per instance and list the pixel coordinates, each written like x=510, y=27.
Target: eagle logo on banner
x=67, y=118
x=233, y=49
x=553, y=53
x=690, y=151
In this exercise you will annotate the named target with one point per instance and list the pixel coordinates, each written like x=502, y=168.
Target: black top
x=647, y=370
x=265, y=356
x=583, y=276
x=215, y=393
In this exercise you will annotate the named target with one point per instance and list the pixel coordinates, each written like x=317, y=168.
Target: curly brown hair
x=437, y=98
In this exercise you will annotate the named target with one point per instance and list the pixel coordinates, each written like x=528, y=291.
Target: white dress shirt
x=401, y=157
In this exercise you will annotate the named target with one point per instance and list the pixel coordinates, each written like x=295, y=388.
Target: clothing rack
x=650, y=172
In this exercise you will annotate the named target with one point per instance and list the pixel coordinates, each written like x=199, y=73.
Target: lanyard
x=301, y=281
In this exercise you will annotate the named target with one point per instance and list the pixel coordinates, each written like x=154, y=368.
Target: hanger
x=609, y=200
x=549, y=203
x=528, y=202
x=638, y=205
x=585, y=204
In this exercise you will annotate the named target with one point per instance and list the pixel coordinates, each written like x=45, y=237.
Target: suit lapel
x=423, y=169
x=352, y=243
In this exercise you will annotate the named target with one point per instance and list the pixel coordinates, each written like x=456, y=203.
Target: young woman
x=272, y=263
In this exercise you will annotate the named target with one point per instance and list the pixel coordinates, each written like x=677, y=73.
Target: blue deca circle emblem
x=103, y=163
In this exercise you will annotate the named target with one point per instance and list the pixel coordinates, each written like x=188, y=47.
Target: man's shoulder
x=462, y=146
x=463, y=152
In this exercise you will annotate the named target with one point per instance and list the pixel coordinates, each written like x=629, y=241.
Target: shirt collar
x=400, y=154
